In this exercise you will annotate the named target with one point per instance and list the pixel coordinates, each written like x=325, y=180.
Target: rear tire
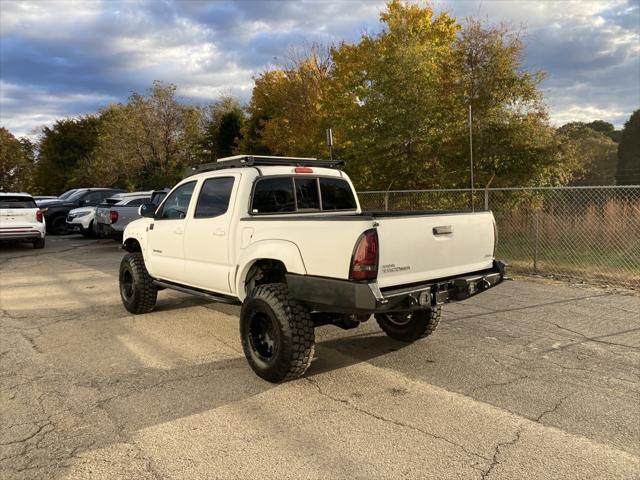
x=277, y=334
x=137, y=291
x=409, y=326
x=38, y=243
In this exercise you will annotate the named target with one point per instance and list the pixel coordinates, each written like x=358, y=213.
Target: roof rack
x=239, y=161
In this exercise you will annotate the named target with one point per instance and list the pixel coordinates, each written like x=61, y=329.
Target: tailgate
x=430, y=246
x=17, y=217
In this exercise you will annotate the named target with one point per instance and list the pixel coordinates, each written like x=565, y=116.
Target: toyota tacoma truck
x=286, y=239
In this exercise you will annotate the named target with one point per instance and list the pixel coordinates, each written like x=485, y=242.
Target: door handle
x=219, y=232
x=178, y=231
x=443, y=230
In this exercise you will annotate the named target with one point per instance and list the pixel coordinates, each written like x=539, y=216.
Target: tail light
x=303, y=170
x=39, y=217
x=364, y=261
x=113, y=215
x=495, y=236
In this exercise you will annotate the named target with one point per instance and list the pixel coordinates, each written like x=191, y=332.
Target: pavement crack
x=381, y=418
x=597, y=339
x=498, y=384
x=496, y=453
x=552, y=409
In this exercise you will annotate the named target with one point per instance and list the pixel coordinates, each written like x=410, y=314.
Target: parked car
x=286, y=239
x=113, y=220
x=21, y=219
x=56, y=210
x=82, y=220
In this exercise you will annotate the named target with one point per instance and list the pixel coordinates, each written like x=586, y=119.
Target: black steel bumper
x=344, y=296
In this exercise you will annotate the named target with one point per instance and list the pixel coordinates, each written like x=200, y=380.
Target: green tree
x=147, y=142
x=628, y=168
x=16, y=163
x=605, y=128
x=222, y=129
x=590, y=152
x=62, y=148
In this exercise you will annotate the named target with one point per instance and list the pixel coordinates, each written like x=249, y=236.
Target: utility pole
x=471, y=154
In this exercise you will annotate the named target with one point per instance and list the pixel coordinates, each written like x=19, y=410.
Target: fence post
x=486, y=199
x=535, y=249
x=386, y=201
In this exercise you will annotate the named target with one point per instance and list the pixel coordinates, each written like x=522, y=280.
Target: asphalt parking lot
x=534, y=379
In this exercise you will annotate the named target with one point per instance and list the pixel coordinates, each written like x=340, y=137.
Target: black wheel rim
x=399, y=319
x=263, y=336
x=126, y=285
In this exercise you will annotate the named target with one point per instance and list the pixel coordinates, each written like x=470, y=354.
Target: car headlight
x=81, y=214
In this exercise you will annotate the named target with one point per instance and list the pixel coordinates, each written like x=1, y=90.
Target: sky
x=60, y=59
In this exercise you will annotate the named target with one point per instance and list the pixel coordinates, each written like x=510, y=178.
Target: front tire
x=409, y=326
x=59, y=225
x=277, y=334
x=137, y=291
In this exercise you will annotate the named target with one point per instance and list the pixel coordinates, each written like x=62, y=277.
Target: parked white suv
x=21, y=219
x=285, y=237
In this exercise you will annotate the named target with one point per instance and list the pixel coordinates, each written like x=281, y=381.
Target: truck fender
x=282, y=250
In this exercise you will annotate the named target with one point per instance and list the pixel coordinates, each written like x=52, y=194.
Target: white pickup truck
x=286, y=239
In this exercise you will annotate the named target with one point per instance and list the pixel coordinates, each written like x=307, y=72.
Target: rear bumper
x=21, y=233
x=344, y=296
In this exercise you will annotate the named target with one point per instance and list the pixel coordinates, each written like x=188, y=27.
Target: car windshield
x=67, y=194
x=74, y=196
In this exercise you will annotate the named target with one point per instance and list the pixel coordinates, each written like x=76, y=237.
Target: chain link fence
x=590, y=233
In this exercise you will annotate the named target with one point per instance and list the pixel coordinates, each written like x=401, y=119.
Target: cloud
x=60, y=58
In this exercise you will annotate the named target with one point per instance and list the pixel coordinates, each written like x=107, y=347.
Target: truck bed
x=413, y=246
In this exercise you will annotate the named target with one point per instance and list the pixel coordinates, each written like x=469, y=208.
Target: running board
x=216, y=297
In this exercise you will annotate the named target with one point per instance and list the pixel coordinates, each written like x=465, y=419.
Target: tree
x=605, y=128
x=16, y=163
x=62, y=148
x=628, y=168
x=400, y=99
x=286, y=114
x=590, y=152
x=147, y=142
x=222, y=129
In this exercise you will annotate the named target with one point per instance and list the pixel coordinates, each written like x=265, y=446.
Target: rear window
x=17, y=202
x=291, y=194
x=307, y=193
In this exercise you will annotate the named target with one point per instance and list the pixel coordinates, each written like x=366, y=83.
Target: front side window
x=177, y=203
x=93, y=198
x=274, y=195
x=214, y=196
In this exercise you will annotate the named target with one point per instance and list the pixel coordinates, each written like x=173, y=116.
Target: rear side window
x=336, y=194
x=273, y=195
x=17, y=202
x=214, y=197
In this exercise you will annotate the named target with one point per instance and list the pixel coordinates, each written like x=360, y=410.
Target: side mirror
x=147, y=210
